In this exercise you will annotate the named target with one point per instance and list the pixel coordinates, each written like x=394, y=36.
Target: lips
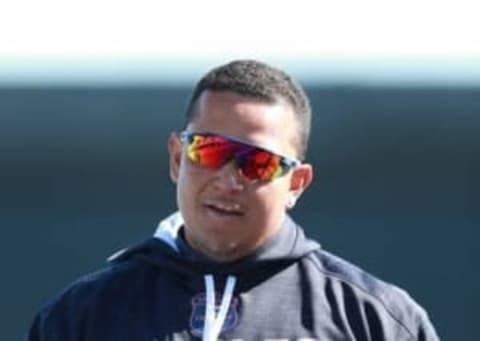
x=222, y=207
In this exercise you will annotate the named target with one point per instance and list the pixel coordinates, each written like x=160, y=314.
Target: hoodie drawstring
x=213, y=321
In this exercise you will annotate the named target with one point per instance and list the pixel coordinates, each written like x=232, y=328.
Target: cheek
x=273, y=198
x=190, y=182
x=185, y=188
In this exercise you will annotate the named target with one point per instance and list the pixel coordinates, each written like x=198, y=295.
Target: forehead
x=271, y=125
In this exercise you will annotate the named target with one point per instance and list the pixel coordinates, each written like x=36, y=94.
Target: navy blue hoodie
x=289, y=289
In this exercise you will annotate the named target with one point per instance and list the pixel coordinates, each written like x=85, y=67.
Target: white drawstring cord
x=213, y=324
x=209, y=308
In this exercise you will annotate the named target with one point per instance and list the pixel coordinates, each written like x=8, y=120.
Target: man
x=231, y=264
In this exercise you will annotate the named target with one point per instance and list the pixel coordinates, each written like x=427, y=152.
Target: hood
x=288, y=245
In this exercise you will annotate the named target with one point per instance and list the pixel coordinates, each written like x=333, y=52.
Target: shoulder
x=126, y=270
x=108, y=279
x=357, y=290
x=90, y=292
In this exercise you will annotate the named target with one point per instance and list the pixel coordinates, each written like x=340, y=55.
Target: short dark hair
x=258, y=80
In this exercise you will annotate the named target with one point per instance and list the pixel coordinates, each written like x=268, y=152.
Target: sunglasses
x=254, y=163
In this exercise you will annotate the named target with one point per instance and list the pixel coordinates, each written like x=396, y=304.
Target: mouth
x=224, y=208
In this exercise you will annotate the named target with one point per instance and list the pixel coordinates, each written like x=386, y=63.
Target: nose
x=228, y=178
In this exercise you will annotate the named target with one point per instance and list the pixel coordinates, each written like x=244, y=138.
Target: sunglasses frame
x=286, y=163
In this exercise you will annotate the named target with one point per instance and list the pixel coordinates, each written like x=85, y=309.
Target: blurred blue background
x=84, y=173
x=89, y=92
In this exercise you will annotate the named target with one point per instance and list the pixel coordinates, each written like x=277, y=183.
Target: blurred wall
x=84, y=173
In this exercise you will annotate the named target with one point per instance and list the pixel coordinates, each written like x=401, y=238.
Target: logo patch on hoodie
x=197, y=319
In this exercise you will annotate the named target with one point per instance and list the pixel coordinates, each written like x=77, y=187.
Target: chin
x=221, y=250
x=222, y=246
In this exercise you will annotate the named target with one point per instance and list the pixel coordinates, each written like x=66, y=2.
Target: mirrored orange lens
x=260, y=165
x=211, y=151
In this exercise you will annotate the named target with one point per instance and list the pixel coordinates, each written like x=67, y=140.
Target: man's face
x=226, y=215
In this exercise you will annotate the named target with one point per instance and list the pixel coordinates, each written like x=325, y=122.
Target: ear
x=301, y=178
x=175, y=155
